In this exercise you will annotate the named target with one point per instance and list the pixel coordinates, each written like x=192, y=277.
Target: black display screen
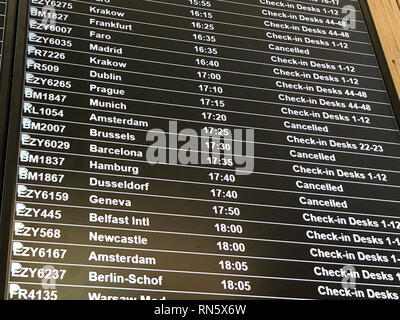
x=201, y=149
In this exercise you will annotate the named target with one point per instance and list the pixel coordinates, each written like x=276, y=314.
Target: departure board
x=3, y=6
x=201, y=149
